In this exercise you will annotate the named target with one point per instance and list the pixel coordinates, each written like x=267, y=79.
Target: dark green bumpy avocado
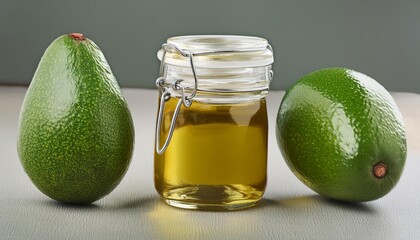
x=76, y=133
x=342, y=134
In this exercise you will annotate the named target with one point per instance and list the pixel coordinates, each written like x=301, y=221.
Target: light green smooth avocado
x=76, y=133
x=341, y=134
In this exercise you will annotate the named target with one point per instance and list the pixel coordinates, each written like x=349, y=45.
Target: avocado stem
x=380, y=170
x=77, y=36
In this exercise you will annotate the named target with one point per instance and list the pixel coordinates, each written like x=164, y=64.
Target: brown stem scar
x=77, y=36
x=380, y=170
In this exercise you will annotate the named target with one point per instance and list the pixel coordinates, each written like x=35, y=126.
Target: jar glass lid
x=218, y=51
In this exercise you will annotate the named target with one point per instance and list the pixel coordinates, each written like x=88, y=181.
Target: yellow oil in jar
x=217, y=157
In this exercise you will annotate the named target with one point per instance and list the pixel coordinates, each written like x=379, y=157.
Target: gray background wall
x=378, y=38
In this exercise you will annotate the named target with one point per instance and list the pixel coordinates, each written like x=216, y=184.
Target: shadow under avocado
x=115, y=205
x=354, y=206
x=76, y=206
x=316, y=201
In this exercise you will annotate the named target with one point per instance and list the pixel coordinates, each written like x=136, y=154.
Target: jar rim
x=218, y=51
x=203, y=43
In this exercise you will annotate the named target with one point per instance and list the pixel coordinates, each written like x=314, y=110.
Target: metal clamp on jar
x=211, y=131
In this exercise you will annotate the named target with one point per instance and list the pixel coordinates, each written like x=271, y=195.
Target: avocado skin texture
x=76, y=133
x=333, y=126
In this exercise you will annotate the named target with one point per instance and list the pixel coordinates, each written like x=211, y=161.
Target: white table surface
x=133, y=210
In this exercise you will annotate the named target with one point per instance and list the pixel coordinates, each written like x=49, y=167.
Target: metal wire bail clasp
x=185, y=99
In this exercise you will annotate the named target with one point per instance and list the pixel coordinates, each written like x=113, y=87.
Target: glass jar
x=211, y=132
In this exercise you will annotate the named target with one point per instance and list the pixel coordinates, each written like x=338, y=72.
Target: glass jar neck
x=220, y=85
